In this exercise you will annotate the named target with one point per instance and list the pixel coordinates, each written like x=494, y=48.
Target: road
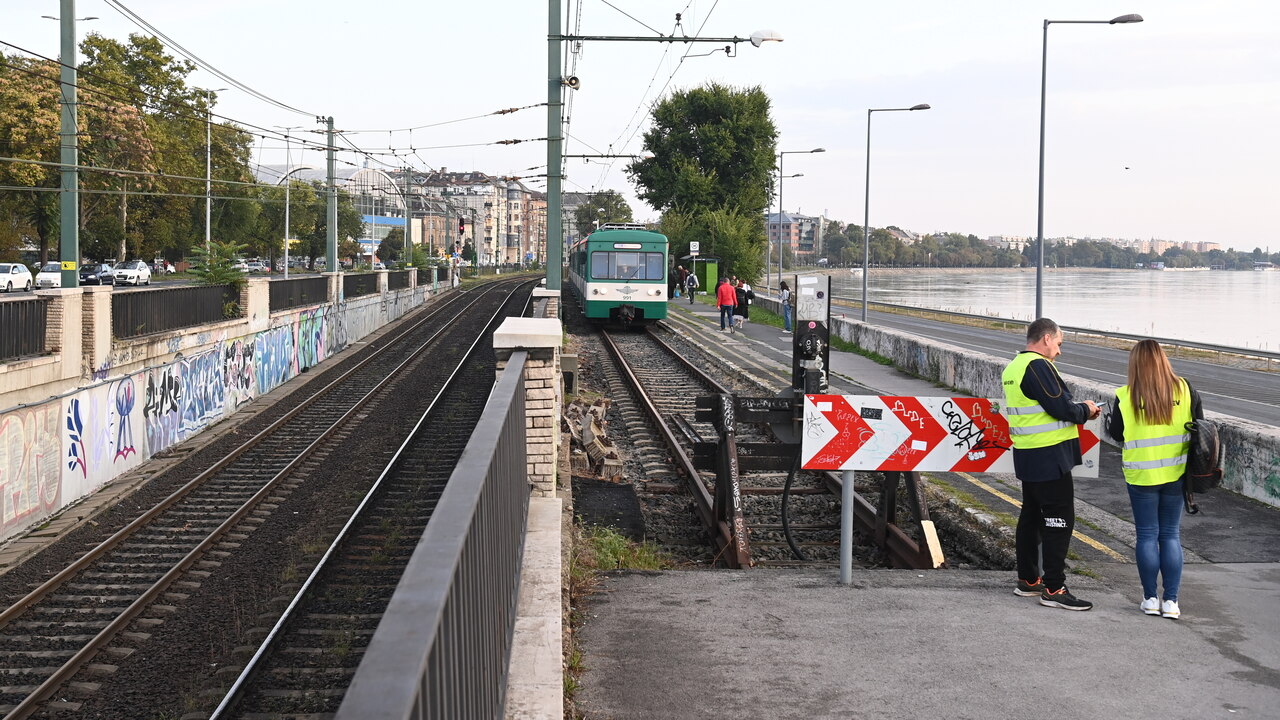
x=1248, y=394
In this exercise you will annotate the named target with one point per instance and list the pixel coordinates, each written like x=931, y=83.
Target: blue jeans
x=786, y=317
x=726, y=316
x=1157, y=515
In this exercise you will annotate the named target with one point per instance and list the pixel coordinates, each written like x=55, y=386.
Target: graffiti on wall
x=237, y=371
x=273, y=356
x=310, y=342
x=30, y=452
x=203, y=392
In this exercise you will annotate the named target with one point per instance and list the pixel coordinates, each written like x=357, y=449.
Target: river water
x=1235, y=308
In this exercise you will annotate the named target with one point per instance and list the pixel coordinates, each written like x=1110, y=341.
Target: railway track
x=72, y=631
x=664, y=388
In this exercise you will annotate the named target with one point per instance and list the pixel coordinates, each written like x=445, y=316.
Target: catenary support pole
x=69, y=206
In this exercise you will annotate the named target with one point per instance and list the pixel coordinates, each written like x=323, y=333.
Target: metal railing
x=142, y=312
x=23, y=325
x=296, y=292
x=442, y=648
x=359, y=284
x=398, y=279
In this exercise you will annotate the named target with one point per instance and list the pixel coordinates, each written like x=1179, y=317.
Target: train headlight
x=595, y=291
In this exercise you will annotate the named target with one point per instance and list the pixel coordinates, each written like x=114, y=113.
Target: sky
x=1168, y=129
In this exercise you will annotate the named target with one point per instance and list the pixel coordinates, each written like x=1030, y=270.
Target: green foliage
x=216, y=266
x=713, y=147
x=606, y=206
x=391, y=247
x=609, y=550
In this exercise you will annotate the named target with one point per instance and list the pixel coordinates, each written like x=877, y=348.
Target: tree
x=389, y=250
x=606, y=206
x=712, y=150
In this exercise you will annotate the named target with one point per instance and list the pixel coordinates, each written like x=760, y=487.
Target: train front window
x=627, y=266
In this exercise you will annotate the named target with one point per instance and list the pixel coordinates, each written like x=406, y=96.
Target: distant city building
x=802, y=234
x=1008, y=242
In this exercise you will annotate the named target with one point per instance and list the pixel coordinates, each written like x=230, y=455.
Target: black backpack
x=1204, y=462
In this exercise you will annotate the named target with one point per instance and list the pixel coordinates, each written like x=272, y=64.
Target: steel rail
x=238, y=687
x=703, y=503
x=25, y=708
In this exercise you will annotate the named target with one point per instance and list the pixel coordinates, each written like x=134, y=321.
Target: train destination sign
x=941, y=434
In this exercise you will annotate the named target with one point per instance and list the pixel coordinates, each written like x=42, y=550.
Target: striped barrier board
x=941, y=434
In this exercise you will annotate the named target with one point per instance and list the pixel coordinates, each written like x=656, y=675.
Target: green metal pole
x=69, y=228
x=555, y=223
x=331, y=208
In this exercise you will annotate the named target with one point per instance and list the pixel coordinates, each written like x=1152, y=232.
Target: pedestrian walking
x=742, y=311
x=1149, y=419
x=726, y=299
x=1044, y=426
x=691, y=285
x=784, y=294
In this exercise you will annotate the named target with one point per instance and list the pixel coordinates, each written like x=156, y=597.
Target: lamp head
x=1130, y=18
x=761, y=37
x=818, y=150
x=921, y=106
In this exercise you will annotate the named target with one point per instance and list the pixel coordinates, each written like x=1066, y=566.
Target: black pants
x=1048, y=516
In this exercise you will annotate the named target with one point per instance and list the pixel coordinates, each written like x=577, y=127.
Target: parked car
x=97, y=274
x=50, y=276
x=14, y=275
x=255, y=266
x=162, y=267
x=240, y=265
x=132, y=272
x=379, y=266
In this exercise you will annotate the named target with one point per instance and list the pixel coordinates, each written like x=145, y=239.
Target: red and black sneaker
x=1062, y=598
x=1028, y=589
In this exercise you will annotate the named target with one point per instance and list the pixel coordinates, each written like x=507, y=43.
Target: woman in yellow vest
x=1149, y=418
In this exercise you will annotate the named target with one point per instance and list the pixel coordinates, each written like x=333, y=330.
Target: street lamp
x=288, y=167
x=768, y=249
x=866, y=202
x=1044, y=62
x=782, y=208
x=208, y=167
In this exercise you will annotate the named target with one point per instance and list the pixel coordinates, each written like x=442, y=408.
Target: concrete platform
x=783, y=644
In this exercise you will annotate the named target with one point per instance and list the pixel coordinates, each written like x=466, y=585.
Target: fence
x=23, y=323
x=441, y=650
x=398, y=279
x=296, y=292
x=142, y=312
x=361, y=284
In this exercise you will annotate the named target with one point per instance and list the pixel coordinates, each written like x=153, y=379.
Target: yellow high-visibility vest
x=1155, y=454
x=1029, y=425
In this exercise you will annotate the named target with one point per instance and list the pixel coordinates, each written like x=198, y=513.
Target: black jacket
x=1043, y=384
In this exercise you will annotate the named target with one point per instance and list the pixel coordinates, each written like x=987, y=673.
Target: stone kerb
x=1251, y=450
x=553, y=300
x=541, y=338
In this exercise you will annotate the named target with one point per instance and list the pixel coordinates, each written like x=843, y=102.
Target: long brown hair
x=1152, y=383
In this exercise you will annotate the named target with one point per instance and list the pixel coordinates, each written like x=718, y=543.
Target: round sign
x=812, y=325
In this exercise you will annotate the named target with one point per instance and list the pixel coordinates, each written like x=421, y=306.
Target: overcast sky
x=1166, y=128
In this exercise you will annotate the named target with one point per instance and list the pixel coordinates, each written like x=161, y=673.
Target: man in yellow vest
x=1044, y=426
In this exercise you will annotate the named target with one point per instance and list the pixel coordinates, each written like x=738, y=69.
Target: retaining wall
x=1252, y=450
x=152, y=392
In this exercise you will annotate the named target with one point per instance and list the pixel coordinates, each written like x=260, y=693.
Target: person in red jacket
x=726, y=300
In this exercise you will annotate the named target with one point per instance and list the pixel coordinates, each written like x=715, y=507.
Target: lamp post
x=866, y=203
x=1044, y=63
x=288, y=166
x=768, y=250
x=208, y=167
x=782, y=209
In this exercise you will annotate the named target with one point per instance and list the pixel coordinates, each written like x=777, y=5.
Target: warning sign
x=884, y=432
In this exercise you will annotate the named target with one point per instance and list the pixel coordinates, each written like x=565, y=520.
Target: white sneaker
x=1151, y=606
x=1169, y=609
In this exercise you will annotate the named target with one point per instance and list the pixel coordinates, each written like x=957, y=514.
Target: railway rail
x=68, y=632
x=745, y=516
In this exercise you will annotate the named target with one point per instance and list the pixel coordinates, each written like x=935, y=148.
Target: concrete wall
x=67, y=426
x=1252, y=450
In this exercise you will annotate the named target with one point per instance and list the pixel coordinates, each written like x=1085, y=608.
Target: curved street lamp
x=782, y=210
x=1044, y=63
x=866, y=203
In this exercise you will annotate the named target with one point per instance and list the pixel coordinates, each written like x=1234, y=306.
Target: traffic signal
x=462, y=225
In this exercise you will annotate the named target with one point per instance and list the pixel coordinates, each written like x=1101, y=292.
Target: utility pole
x=69, y=229
x=331, y=190
x=555, y=147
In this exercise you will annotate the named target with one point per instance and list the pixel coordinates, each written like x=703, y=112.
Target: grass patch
x=1085, y=572
x=1091, y=525
x=596, y=550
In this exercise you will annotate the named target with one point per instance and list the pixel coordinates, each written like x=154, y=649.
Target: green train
x=619, y=274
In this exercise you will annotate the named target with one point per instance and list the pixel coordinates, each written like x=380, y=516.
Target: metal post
x=69, y=206
x=866, y=222
x=286, y=211
x=555, y=140
x=846, y=526
x=1044, y=64
x=331, y=209
x=208, y=168
x=781, y=211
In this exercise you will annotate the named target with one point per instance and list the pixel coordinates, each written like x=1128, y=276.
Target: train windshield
x=627, y=266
